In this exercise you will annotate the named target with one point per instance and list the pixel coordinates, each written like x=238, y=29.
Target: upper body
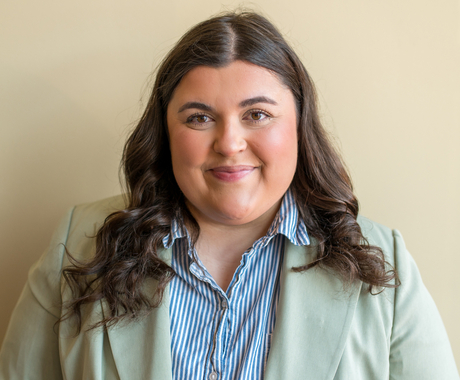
x=232, y=125
x=322, y=331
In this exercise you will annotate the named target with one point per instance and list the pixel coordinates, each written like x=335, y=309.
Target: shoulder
x=394, y=248
x=75, y=235
x=389, y=240
x=86, y=221
x=376, y=233
x=412, y=327
x=396, y=254
x=96, y=212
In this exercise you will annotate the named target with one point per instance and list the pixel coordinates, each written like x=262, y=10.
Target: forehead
x=234, y=82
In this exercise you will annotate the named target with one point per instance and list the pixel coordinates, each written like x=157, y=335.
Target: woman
x=238, y=254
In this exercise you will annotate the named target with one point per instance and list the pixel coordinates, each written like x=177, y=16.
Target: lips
x=231, y=173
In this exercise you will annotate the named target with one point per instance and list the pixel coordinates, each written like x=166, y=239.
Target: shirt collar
x=177, y=232
x=286, y=222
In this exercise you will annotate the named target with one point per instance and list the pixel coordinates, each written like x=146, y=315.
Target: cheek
x=186, y=149
x=278, y=147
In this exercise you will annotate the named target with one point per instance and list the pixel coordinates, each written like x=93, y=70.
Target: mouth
x=231, y=173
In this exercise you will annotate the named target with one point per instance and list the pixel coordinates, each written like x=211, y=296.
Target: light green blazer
x=322, y=332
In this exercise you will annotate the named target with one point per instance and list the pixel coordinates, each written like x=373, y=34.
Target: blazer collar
x=312, y=323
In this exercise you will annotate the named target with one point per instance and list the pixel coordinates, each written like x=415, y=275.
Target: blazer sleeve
x=420, y=348
x=30, y=349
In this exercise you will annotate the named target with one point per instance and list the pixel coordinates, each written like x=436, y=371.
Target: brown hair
x=129, y=242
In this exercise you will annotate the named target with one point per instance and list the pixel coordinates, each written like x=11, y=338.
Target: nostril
x=229, y=143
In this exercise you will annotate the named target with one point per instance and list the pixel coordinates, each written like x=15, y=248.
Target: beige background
x=72, y=74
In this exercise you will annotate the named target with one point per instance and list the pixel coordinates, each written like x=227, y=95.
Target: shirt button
x=224, y=306
x=212, y=376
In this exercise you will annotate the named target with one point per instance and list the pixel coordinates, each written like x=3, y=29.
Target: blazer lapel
x=142, y=349
x=312, y=321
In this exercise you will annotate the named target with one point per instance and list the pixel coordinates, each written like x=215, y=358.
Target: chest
x=225, y=334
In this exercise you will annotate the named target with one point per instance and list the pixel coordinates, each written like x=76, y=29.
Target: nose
x=230, y=139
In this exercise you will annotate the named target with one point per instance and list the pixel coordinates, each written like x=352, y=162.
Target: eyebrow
x=244, y=103
x=257, y=99
x=197, y=105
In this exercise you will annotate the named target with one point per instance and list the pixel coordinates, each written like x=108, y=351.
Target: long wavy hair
x=129, y=243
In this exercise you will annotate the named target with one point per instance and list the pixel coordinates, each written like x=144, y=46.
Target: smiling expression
x=233, y=142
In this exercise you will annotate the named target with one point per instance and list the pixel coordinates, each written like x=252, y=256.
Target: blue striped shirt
x=225, y=335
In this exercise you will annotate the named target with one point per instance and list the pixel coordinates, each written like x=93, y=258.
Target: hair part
x=129, y=242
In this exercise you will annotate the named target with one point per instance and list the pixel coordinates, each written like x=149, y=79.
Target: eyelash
x=255, y=111
x=192, y=118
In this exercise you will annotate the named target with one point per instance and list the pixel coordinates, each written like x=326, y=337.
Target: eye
x=257, y=116
x=198, y=118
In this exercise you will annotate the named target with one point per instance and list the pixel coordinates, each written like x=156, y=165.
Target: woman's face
x=233, y=140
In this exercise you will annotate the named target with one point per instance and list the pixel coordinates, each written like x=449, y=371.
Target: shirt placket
x=220, y=341
x=214, y=367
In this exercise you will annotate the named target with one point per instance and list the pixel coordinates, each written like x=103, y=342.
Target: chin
x=233, y=217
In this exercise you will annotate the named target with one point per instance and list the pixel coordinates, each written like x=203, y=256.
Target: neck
x=220, y=247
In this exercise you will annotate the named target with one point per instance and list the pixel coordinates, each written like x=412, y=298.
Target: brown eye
x=257, y=116
x=201, y=118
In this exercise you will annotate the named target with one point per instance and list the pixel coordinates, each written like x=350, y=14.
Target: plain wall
x=73, y=73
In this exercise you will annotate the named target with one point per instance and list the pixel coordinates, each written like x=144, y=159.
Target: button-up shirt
x=225, y=335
